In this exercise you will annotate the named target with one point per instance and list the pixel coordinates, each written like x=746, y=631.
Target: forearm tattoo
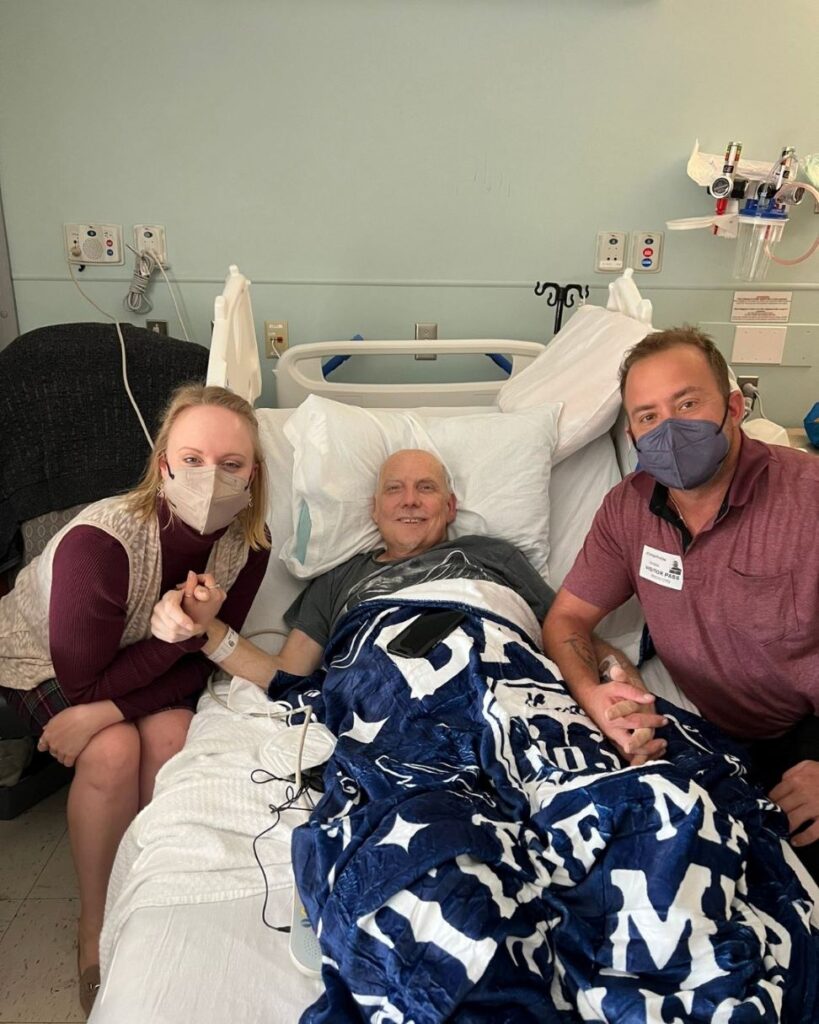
x=583, y=649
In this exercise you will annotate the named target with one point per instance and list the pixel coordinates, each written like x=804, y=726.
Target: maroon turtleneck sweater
x=89, y=596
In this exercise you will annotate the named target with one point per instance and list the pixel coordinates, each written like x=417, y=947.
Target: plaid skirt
x=35, y=708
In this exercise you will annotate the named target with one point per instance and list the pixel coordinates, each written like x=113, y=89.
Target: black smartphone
x=423, y=633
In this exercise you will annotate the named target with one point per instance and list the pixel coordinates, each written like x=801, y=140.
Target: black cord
x=261, y=776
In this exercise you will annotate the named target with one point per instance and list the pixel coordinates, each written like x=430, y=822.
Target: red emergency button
x=648, y=252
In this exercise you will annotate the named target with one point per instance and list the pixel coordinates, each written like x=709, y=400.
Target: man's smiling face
x=413, y=504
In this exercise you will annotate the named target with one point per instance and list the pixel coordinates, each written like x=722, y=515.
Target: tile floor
x=38, y=914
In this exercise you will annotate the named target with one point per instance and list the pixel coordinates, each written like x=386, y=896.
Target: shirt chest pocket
x=762, y=608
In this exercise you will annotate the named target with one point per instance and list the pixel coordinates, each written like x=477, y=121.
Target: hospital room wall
x=373, y=163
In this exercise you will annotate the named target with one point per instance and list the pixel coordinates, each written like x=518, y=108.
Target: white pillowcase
x=500, y=464
x=579, y=367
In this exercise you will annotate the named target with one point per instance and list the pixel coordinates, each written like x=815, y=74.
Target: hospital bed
x=185, y=937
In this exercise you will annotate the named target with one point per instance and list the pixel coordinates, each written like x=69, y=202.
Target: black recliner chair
x=70, y=436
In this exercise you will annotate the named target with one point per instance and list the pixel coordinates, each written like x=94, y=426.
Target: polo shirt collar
x=754, y=457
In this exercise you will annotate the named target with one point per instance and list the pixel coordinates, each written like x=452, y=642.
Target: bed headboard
x=299, y=373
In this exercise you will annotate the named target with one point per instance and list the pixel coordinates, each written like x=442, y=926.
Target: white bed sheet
x=209, y=965
x=184, y=937
x=194, y=948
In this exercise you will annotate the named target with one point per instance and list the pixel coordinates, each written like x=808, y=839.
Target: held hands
x=67, y=734
x=626, y=716
x=188, y=610
x=798, y=796
x=202, y=597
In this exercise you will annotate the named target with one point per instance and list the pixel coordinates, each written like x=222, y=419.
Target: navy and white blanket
x=480, y=855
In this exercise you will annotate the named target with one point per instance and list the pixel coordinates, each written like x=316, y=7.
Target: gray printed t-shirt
x=326, y=598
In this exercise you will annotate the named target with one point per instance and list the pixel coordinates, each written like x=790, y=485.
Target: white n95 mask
x=206, y=497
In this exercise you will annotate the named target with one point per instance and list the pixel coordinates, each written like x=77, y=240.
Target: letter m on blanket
x=641, y=927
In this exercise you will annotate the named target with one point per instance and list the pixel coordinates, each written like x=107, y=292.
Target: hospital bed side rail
x=299, y=373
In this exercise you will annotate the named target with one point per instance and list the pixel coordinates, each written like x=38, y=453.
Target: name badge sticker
x=662, y=567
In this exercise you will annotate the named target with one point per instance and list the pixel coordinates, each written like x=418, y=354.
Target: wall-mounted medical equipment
x=94, y=244
x=753, y=202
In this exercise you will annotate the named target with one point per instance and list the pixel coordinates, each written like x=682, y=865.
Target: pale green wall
x=358, y=157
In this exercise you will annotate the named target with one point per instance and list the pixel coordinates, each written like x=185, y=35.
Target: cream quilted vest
x=25, y=658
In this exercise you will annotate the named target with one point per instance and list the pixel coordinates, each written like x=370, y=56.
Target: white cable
x=122, y=351
x=284, y=714
x=308, y=714
x=173, y=299
x=145, y=263
x=761, y=406
x=264, y=632
x=285, y=753
x=752, y=396
x=135, y=301
x=814, y=246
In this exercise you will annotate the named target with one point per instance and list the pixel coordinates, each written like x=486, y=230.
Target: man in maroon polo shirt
x=716, y=535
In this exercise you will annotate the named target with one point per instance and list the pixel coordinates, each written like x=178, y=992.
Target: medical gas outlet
x=94, y=244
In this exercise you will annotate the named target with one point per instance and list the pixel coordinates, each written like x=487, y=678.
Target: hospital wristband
x=230, y=641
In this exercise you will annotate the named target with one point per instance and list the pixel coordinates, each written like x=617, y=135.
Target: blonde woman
x=77, y=659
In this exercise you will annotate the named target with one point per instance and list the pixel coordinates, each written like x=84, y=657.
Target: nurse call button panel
x=647, y=251
x=94, y=244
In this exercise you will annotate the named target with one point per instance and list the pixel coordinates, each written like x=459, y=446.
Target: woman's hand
x=202, y=597
x=68, y=733
x=188, y=610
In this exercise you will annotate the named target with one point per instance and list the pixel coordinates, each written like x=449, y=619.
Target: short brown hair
x=661, y=341
x=142, y=499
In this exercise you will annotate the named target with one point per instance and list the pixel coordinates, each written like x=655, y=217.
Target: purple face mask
x=682, y=454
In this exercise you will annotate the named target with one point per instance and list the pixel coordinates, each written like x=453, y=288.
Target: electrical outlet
x=610, y=255
x=647, y=251
x=275, y=337
x=151, y=238
x=742, y=381
x=159, y=327
x=426, y=332
x=94, y=244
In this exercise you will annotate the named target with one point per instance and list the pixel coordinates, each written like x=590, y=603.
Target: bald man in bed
x=413, y=507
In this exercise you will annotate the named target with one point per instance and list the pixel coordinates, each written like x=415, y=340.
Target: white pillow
x=500, y=466
x=278, y=588
x=579, y=367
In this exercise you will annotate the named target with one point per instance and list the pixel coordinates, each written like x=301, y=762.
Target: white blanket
x=194, y=842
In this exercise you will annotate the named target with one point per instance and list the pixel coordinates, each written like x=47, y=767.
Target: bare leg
x=101, y=803
x=161, y=736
